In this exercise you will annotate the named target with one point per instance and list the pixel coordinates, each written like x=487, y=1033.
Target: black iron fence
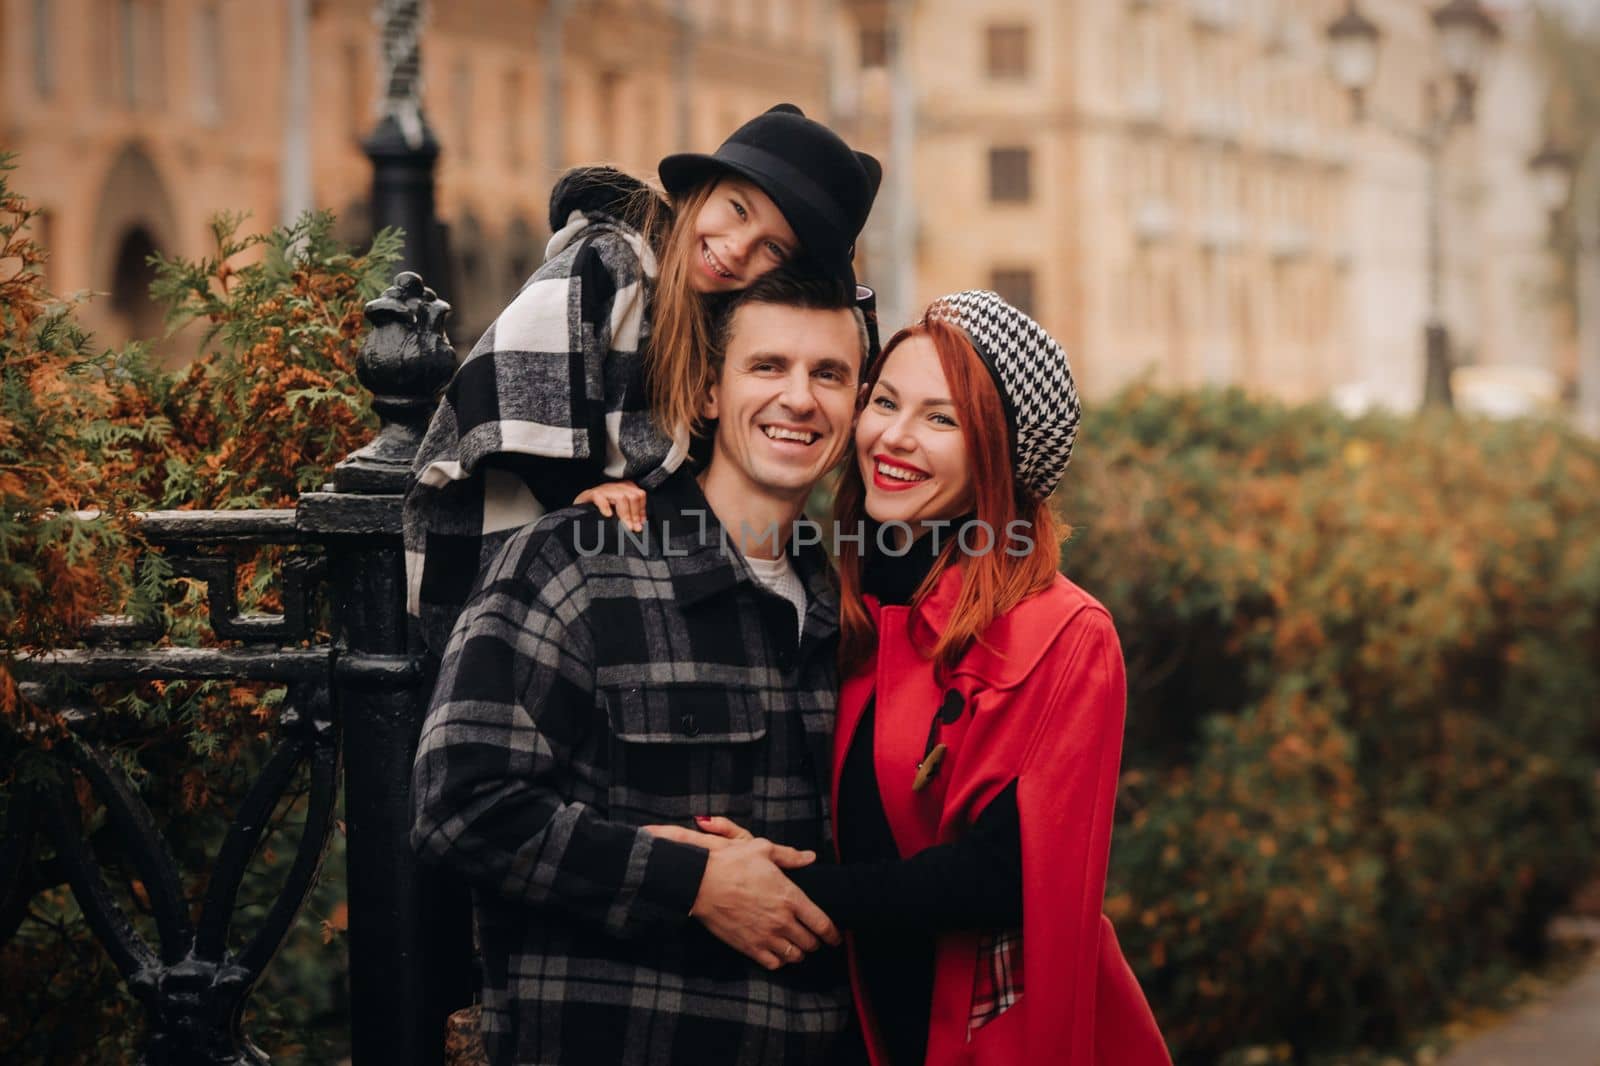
x=355, y=701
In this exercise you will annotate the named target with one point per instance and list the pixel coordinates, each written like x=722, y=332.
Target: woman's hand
x=689, y=836
x=621, y=498
x=722, y=827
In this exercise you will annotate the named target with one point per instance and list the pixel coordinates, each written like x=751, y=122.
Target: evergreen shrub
x=88, y=436
x=1364, y=671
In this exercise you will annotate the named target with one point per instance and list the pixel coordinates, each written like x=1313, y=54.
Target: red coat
x=1044, y=694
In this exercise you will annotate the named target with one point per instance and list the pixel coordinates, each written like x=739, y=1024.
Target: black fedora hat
x=824, y=188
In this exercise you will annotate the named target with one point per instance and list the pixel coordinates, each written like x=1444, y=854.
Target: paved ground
x=1562, y=1030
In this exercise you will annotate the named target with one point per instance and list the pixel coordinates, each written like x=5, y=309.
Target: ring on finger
x=791, y=952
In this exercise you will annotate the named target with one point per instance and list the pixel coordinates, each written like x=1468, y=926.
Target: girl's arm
x=555, y=483
x=969, y=884
x=621, y=498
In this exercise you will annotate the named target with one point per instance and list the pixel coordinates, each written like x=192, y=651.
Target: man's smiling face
x=784, y=399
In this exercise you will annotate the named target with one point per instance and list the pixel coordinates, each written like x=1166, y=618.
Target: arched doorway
x=134, y=219
x=130, y=285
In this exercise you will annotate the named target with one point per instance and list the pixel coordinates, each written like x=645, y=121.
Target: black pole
x=1436, y=384
x=402, y=147
x=410, y=930
x=402, y=194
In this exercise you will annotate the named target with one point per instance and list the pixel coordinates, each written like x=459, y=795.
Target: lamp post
x=1465, y=36
x=402, y=148
x=1561, y=179
x=1553, y=168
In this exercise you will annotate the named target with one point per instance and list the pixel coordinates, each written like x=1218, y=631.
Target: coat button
x=690, y=727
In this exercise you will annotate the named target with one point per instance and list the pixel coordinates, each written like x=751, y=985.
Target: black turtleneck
x=896, y=907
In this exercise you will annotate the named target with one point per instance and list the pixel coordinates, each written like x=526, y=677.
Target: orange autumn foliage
x=264, y=412
x=1364, y=682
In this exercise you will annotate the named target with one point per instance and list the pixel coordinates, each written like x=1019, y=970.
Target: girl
x=595, y=371
x=980, y=719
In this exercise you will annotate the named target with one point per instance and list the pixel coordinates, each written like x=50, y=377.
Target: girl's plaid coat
x=550, y=401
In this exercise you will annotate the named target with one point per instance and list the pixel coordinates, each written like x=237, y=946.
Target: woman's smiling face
x=909, y=444
x=739, y=235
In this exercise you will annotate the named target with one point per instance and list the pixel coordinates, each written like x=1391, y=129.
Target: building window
x=128, y=52
x=1008, y=52
x=1009, y=178
x=208, y=65
x=102, y=50
x=522, y=253
x=141, y=68
x=44, y=235
x=358, y=108
x=513, y=114
x=874, y=47
x=608, y=104
x=1015, y=286
x=461, y=97
x=467, y=243
x=44, y=71
x=780, y=20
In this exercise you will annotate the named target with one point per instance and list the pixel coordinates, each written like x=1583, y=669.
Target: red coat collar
x=1025, y=632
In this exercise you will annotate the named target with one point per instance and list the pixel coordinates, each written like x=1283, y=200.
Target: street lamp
x=1553, y=168
x=1562, y=178
x=1353, y=54
x=1466, y=35
x=402, y=147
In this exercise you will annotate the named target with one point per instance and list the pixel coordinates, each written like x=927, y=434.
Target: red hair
x=992, y=581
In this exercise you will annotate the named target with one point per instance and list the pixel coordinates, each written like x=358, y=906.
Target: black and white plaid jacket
x=558, y=377
x=598, y=682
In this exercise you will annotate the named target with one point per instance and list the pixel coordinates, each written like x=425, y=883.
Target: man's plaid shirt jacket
x=596, y=683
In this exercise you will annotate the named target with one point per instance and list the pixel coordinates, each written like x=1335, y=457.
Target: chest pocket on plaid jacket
x=682, y=750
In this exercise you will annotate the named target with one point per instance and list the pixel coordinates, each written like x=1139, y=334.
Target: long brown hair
x=993, y=581
x=677, y=357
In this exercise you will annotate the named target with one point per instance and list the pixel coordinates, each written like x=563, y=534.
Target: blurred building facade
x=135, y=121
x=1172, y=186
x=1176, y=189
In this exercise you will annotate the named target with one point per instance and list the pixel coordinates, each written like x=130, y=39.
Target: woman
x=980, y=722
x=595, y=371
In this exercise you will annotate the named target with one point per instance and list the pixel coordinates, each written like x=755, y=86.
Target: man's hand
x=747, y=903
x=622, y=498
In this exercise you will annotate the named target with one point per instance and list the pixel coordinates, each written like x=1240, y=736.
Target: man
x=601, y=681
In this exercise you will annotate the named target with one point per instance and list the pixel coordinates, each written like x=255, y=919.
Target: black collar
x=894, y=578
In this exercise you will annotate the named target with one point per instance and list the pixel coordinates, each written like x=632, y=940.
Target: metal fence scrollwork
x=353, y=703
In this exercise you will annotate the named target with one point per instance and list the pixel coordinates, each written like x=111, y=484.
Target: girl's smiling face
x=909, y=443
x=739, y=235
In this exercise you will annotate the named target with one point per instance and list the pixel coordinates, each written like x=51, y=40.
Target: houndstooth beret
x=1035, y=382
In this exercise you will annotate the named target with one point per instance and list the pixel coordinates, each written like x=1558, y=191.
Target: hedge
x=1364, y=669
x=263, y=413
